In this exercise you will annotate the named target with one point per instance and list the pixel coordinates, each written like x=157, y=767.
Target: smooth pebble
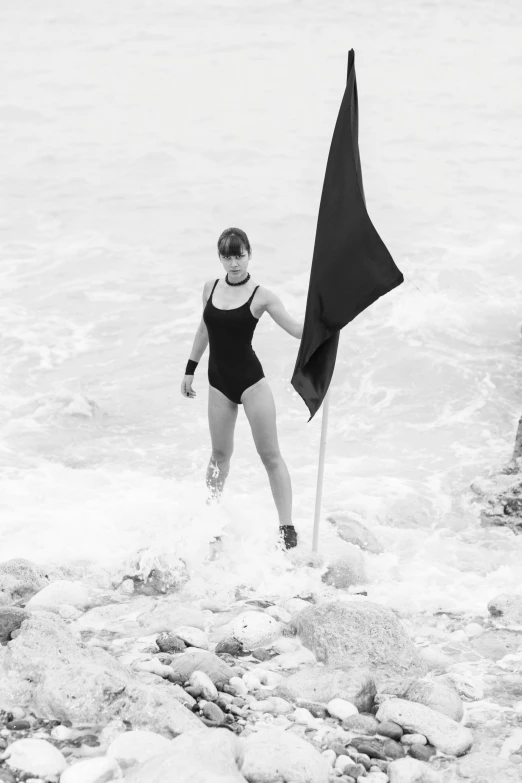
x=203, y=685
x=413, y=739
x=194, y=637
x=341, y=709
x=98, y=770
x=36, y=756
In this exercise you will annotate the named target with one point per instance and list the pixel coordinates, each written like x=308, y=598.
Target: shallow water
x=132, y=135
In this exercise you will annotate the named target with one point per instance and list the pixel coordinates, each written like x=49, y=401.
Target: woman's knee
x=270, y=458
x=221, y=456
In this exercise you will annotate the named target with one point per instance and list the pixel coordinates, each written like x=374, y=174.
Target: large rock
x=436, y=695
x=62, y=591
x=517, y=451
x=59, y=678
x=11, y=618
x=354, y=532
x=501, y=494
x=322, y=684
x=213, y=756
x=506, y=609
x=203, y=661
x=445, y=734
x=359, y=634
x=19, y=580
x=276, y=756
x=408, y=770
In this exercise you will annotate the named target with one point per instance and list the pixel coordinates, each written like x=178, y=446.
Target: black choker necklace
x=241, y=282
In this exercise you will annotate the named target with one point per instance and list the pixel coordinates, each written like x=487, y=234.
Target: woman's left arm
x=281, y=316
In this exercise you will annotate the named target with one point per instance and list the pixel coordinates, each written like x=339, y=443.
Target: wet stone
x=371, y=749
x=19, y=725
x=91, y=740
x=213, y=712
x=261, y=654
x=170, y=643
x=6, y=776
x=364, y=759
x=354, y=770
x=87, y=739
x=422, y=752
x=391, y=730
x=393, y=750
x=175, y=678
x=413, y=739
x=230, y=645
x=11, y=618
x=363, y=723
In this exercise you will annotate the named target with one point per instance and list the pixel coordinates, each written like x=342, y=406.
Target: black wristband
x=191, y=367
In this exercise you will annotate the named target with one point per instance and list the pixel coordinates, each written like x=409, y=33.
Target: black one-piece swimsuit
x=233, y=365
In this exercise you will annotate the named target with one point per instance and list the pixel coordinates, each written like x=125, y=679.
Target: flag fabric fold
x=351, y=266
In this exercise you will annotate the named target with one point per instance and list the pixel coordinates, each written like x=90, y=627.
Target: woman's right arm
x=198, y=348
x=201, y=338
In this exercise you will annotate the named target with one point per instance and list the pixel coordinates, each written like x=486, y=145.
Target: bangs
x=231, y=245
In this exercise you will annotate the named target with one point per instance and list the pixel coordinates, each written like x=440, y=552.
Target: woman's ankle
x=288, y=536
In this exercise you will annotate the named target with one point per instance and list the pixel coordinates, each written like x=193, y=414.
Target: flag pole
x=320, y=470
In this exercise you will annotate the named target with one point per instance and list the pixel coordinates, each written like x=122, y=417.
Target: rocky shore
x=500, y=496
x=134, y=681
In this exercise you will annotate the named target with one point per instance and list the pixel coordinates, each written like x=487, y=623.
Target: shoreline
x=146, y=624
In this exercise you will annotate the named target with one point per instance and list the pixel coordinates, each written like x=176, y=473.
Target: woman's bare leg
x=222, y=417
x=261, y=413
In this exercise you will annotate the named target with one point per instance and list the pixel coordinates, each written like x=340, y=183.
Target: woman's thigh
x=222, y=416
x=258, y=402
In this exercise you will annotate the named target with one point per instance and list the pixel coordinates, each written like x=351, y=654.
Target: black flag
x=351, y=266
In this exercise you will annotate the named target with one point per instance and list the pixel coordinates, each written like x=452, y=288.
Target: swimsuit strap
x=255, y=289
x=215, y=284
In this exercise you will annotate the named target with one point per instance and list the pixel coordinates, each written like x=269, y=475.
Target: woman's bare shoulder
x=207, y=288
x=264, y=294
x=262, y=300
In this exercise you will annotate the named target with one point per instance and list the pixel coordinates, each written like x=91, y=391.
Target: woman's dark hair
x=232, y=242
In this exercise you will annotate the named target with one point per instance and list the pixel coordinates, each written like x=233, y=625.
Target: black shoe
x=288, y=535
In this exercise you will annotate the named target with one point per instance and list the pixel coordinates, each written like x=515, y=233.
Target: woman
x=231, y=309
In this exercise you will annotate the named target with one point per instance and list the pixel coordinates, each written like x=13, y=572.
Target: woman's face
x=235, y=266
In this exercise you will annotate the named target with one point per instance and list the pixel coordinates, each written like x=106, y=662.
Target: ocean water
x=131, y=135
